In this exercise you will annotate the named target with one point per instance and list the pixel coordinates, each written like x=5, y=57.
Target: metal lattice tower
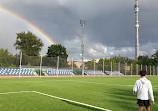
x=136, y=9
x=82, y=22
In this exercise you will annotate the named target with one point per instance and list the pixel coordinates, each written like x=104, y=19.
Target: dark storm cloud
x=113, y=29
x=108, y=22
x=54, y=20
x=62, y=22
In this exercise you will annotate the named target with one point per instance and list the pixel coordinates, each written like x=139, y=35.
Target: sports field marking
x=15, y=92
x=58, y=98
x=89, y=82
x=49, y=80
x=110, y=84
x=81, y=82
x=103, y=83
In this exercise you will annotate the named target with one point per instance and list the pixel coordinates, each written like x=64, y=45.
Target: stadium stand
x=113, y=73
x=60, y=72
x=8, y=71
x=91, y=72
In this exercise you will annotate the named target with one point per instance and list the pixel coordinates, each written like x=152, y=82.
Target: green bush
x=77, y=72
x=38, y=72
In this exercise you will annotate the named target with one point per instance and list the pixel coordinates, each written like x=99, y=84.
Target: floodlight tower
x=136, y=9
x=82, y=22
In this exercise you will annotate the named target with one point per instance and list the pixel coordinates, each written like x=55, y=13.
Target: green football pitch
x=111, y=93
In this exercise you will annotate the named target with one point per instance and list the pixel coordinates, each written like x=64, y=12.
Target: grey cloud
x=108, y=22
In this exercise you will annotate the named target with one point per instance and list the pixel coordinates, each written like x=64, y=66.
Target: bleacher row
x=91, y=72
x=117, y=73
x=9, y=71
x=60, y=72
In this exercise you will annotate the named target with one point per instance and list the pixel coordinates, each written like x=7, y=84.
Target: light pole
x=20, y=63
x=41, y=66
x=82, y=22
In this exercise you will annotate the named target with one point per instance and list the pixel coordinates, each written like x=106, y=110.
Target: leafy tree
x=28, y=43
x=107, y=64
x=90, y=64
x=155, y=58
x=144, y=60
x=49, y=61
x=122, y=59
x=16, y=60
x=100, y=64
x=155, y=55
x=57, y=50
x=31, y=60
x=6, y=59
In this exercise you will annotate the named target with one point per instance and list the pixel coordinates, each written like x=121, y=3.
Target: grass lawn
x=113, y=93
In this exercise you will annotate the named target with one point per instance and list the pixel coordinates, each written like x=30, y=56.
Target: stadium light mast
x=136, y=9
x=82, y=22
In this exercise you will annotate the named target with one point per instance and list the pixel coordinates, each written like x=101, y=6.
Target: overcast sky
x=109, y=30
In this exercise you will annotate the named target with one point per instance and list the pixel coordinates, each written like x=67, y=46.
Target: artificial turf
x=113, y=93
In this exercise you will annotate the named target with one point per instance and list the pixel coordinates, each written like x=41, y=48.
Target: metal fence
x=43, y=64
x=109, y=68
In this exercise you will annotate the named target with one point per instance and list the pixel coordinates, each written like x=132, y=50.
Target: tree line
x=142, y=60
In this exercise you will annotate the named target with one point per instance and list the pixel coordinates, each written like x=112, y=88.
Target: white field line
x=73, y=101
x=59, y=98
x=102, y=83
x=15, y=92
x=49, y=80
x=82, y=82
x=111, y=84
x=155, y=87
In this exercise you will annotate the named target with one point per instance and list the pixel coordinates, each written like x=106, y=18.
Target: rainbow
x=28, y=23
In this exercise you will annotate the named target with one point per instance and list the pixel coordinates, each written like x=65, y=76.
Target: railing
x=59, y=66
